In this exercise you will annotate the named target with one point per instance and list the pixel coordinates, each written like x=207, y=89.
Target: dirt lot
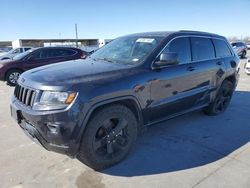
x=193, y=150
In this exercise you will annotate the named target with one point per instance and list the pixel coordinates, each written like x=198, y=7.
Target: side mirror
x=170, y=58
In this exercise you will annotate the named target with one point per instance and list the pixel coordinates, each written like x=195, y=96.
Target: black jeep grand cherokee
x=93, y=108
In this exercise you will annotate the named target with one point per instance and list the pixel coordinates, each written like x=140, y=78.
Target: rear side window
x=65, y=52
x=181, y=46
x=221, y=48
x=47, y=53
x=202, y=49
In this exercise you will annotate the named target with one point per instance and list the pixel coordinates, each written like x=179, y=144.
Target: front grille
x=25, y=95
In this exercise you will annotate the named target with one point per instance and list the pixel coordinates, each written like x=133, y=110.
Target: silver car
x=14, y=52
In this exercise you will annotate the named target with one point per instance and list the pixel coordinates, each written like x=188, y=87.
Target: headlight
x=54, y=100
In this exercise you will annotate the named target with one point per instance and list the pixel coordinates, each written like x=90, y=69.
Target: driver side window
x=181, y=46
x=34, y=56
x=17, y=51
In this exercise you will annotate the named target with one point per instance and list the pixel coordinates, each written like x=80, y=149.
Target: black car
x=94, y=109
x=240, y=48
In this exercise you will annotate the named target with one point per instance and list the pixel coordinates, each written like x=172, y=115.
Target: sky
x=109, y=19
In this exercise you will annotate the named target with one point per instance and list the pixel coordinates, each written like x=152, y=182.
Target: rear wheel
x=12, y=77
x=108, y=137
x=222, y=99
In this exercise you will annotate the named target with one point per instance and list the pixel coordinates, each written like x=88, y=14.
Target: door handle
x=191, y=68
x=219, y=63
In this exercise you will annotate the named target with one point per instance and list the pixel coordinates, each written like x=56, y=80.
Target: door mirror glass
x=169, y=58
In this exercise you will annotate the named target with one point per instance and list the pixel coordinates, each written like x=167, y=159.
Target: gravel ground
x=193, y=150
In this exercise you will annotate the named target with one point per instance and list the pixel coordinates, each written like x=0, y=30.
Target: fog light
x=53, y=128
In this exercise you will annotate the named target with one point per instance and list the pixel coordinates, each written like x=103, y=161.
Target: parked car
x=94, y=109
x=10, y=70
x=2, y=52
x=12, y=53
x=248, y=45
x=247, y=66
x=240, y=48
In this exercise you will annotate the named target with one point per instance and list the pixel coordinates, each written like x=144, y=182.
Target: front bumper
x=55, y=131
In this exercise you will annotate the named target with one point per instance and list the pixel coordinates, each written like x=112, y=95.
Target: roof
x=167, y=33
x=155, y=34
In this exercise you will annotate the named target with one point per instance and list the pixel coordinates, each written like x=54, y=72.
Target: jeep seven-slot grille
x=25, y=95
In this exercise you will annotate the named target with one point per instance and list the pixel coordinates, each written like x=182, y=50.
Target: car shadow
x=188, y=141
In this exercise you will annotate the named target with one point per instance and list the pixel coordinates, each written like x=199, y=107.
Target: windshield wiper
x=106, y=59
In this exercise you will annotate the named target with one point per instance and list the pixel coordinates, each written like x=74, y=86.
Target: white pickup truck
x=14, y=52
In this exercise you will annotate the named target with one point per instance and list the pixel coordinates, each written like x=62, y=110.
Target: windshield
x=22, y=55
x=130, y=50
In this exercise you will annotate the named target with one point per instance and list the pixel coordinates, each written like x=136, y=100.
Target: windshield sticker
x=135, y=59
x=145, y=40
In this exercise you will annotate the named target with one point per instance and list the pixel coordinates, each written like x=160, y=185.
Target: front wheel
x=222, y=100
x=108, y=137
x=12, y=77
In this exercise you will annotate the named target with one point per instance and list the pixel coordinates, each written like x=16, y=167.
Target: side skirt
x=175, y=115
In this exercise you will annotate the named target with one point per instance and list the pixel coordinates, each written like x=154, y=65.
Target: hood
x=71, y=72
x=3, y=62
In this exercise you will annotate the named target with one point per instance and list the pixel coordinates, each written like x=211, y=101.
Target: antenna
x=76, y=35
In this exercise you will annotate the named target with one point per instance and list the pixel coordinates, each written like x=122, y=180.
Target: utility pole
x=76, y=35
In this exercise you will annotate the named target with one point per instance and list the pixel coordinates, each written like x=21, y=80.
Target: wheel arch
x=129, y=101
x=10, y=69
x=231, y=79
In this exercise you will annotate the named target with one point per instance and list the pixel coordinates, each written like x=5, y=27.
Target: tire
x=222, y=100
x=108, y=138
x=12, y=76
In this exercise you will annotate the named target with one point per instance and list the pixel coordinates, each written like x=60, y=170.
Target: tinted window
x=49, y=53
x=64, y=52
x=25, y=49
x=202, y=49
x=237, y=44
x=181, y=46
x=221, y=48
x=36, y=55
x=43, y=54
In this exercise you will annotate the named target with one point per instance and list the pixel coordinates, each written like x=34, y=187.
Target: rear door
x=224, y=56
x=208, y=69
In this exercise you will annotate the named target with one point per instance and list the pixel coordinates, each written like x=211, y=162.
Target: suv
x=12, y=53
x=10, y=70
x=94, y=109
x=240, y=48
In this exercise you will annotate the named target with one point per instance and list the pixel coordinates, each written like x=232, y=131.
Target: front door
x=172, y=86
